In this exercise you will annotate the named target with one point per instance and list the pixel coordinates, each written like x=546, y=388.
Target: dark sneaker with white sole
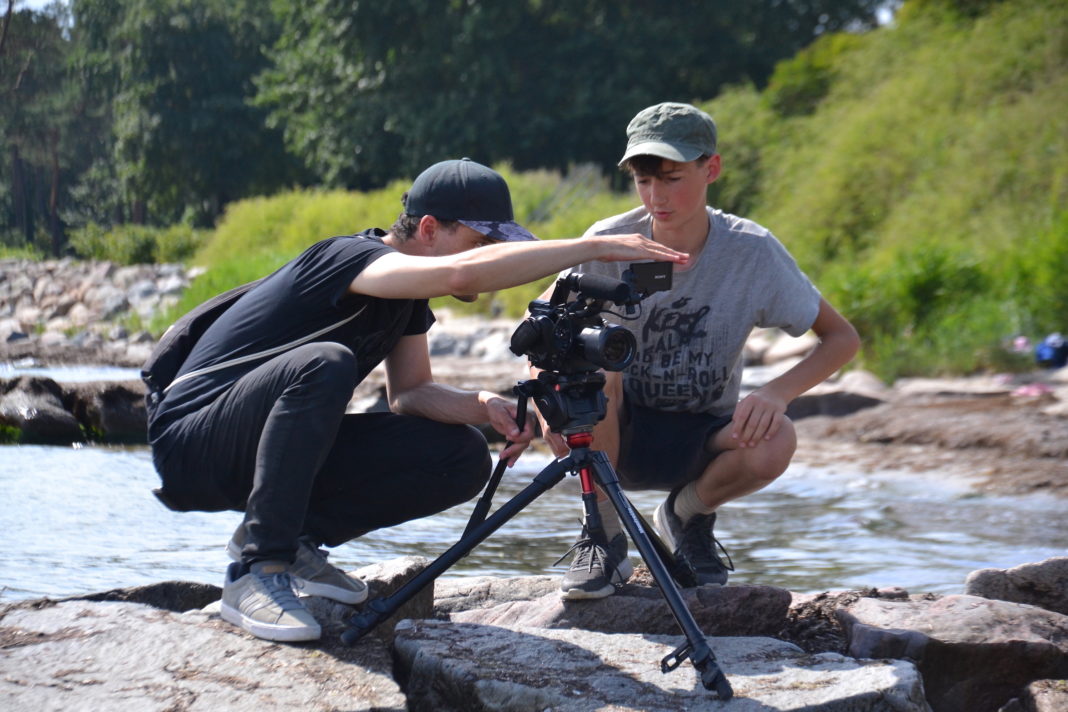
x=596, y=569
x=263, y=603
x=693, y=542
x=312, y=573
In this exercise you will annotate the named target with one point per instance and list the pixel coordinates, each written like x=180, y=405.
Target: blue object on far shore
x=1052, y=351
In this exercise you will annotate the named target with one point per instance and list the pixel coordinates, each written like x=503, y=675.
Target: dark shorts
x=660, y=450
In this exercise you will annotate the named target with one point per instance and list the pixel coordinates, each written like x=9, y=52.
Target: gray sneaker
x=595, y=570
x=312, y=573
x=693, y=542
x=264, y=604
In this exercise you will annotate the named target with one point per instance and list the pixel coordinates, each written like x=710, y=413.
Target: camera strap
x=267, y=353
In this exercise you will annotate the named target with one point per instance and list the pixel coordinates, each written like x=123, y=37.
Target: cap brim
x=504, y=231
x=679, y=152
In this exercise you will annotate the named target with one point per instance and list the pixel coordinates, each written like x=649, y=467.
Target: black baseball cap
x=470, y=193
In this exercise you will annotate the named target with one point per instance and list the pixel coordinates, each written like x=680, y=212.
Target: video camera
x=571, y=337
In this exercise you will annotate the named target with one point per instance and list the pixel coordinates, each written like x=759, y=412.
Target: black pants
x=279, y=446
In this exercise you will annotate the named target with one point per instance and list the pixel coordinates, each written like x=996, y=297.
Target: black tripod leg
x=679, y=570
x=379, y=609
x=697, y=647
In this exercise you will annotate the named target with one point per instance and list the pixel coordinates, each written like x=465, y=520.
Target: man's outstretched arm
x=499, y=266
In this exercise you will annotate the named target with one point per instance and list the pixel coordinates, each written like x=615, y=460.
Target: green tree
x=178, y=72
x=36, y=112
x=369, y=91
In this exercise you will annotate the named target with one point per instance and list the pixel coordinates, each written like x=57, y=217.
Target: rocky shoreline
x=511, y=643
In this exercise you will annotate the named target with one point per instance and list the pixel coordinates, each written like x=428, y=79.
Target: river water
x=83, y=519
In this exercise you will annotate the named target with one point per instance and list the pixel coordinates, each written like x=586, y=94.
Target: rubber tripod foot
x=714, y=679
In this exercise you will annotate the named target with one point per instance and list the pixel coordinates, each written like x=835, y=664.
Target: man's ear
x=427, y=234
x=714, y=167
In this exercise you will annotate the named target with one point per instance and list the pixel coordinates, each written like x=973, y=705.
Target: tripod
x=571, y=405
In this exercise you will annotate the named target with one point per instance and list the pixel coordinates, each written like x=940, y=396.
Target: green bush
x=22, y=253
x=799, y=84
x=137, y=244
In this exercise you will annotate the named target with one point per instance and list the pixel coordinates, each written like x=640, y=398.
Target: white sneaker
x=263, y=603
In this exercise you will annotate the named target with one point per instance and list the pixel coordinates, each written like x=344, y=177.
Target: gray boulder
x=975, y=654
x=718, y=610
x=177, y=596
x=111, y=411
x=830, y=401
x=34, y=407
x=465, y=666
x=1043, y=584
x=846, y=395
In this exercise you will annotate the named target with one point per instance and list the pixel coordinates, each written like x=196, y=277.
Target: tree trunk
x=20, y=198
x=54, y=226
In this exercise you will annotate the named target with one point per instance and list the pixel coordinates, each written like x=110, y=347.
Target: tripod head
x=569, y=403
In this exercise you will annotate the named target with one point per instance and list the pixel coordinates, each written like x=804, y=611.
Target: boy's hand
x=758, y=417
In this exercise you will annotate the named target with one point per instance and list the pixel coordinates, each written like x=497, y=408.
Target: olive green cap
x=677, y=132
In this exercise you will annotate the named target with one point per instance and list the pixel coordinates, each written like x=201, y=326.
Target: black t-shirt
x=306, y=295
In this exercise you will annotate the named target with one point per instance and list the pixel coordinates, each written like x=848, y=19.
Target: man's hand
x=627, y=248
x=757, y=417
x=502, y=414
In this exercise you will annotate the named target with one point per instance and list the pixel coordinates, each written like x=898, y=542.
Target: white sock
x=688, y=504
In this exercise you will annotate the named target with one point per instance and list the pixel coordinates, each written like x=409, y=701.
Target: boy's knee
x=769, y=460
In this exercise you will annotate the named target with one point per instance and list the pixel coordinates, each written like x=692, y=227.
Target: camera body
x=572, y=337
x=570, y=342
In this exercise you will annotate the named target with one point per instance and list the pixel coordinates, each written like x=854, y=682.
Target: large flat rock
x=975, y=654
x=464, y=666
x=82, y=655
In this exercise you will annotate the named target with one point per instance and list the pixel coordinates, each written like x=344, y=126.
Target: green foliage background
x=919, y=174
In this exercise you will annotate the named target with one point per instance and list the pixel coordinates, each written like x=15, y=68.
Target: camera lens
x=611, y=347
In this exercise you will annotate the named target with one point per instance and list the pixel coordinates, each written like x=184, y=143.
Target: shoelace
x=589, y=554
x=280, y=589
x=699, y=544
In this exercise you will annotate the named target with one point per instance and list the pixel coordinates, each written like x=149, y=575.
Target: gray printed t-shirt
x=690, y=338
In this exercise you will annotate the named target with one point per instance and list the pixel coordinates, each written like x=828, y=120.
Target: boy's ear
x=714, y=167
